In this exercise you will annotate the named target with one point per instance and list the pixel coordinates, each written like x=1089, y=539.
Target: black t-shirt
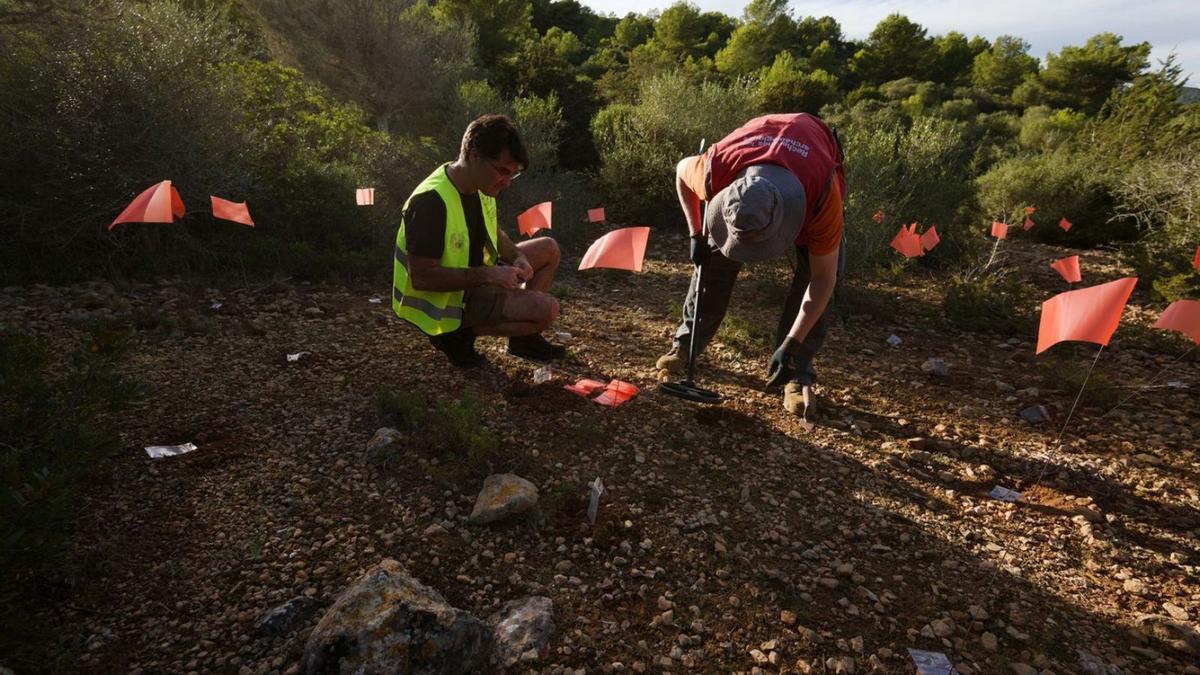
x=425, y=226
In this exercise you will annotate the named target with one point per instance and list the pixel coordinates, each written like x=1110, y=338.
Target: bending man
x=774, y=183
x=457, y=275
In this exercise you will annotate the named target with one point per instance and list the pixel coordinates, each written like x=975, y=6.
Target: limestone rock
x=503, y=495
x=384, y=445
x=388, y=621
x=521, y=627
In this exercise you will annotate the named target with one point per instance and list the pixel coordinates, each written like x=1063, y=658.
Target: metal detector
x=687, y=389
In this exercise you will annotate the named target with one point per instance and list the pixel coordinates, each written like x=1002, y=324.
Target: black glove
x=698, y=250
x=783, y=363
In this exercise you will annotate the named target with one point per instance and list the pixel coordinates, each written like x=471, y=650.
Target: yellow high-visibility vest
x=437, y=312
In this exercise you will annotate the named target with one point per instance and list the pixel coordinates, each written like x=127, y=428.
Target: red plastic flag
x=1065, y=225
x=878, y=217
x=1068, y=268
x=1029, y=210
x=906, y=243
x=1196, y=261
x=584, y=387
x=1183, y=316
x=238, y=212
x=159, y=203
x=365, y=196
x=930, y=238
x=1087, y=315
x=596, y=215
x=1028, y=223
x=999, y=230
x=616, y=393
x=622, y=249
x=536, y=217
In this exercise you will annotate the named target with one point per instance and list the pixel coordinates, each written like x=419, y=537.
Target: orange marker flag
x=1183, y=316
x=365, y=196
x=1028, y=223
x=1068, y=268
x=930, y=238
x=159, y=203
x=878, y=217
x=622, y=249
x=616, y=393
x=238, y=212
x=536, y=217
x=596, y=215
x=1029, y=210
x=584, y=387
x=1196, y=261
x=906, y=243
x=999, y=230
x=1087, y=315
x=1065, y=225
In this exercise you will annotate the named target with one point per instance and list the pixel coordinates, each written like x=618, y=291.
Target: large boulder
x=389, y=622
x=288, y=617
x=522, y=629
x=503, y=495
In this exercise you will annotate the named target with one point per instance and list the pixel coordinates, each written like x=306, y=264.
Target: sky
x=1048, y=25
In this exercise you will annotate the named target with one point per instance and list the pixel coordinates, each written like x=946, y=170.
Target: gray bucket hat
x=758, y=215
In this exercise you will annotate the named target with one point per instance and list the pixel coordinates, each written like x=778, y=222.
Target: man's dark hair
x=491, y=135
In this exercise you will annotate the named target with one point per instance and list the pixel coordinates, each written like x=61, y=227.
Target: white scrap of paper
x=562, y=336
x=542, y=374
x=157, y=451
x=932, y=663
x=1177, y=384
x=894, y=340
x=292, y=358
x=215, y=305
x=375, y=301
x=1004, y=494
x=594, y=500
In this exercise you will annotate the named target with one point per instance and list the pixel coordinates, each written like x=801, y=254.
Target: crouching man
x=457, y=275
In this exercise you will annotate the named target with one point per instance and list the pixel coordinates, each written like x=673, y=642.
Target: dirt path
x=726, y=530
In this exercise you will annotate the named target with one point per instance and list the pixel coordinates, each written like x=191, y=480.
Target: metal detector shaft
x=691, y=372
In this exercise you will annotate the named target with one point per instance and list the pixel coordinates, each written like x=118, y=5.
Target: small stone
x=935, y=366
x=1022, y=669
x=1135, y=586
x=759, y=657
x=1178, y=613
x=787, y=617
x=988, y=641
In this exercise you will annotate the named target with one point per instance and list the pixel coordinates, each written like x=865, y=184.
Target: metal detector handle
x=691, y=372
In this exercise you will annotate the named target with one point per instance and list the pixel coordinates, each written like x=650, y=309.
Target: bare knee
x=549, y=313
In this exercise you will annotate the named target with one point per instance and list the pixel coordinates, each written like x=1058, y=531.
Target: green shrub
x=458, y=428
x=640, y=144
x=1060, y=184
x=911, y=170
x=53, y=419
x=993, y=300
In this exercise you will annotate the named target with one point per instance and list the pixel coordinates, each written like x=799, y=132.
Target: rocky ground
x=730, y=538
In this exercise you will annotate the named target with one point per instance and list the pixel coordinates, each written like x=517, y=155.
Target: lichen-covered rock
x=522, y=629
x=503, y=495
x=389, y=622
x=384, y=445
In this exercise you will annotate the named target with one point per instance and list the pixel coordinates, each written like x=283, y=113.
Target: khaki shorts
x=484, y=305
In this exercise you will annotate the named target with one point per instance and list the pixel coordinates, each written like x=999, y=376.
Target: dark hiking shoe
x=535, y=348
x=459, y=347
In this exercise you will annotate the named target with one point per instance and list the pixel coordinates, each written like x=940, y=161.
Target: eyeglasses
x=504, y=171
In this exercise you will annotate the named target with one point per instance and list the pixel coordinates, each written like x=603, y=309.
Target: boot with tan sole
x=672, y=364
x=801, y=401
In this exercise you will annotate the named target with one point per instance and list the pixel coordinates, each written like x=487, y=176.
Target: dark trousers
x=720, y=275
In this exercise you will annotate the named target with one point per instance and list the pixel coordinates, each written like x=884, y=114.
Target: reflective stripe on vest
x=437, y=312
